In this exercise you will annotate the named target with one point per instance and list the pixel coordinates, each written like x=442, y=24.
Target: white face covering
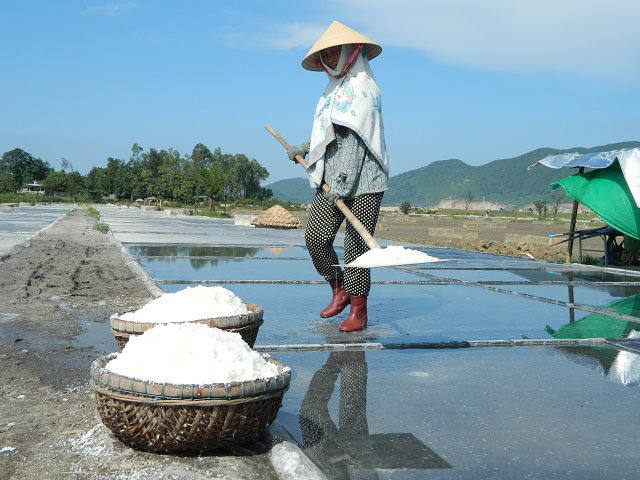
x=346, y=51
x=353, y=101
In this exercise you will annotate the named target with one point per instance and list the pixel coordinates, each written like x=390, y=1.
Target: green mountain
x=293, y=189
x=505, y=181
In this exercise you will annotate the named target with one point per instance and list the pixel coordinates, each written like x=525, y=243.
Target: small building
x=35, y=187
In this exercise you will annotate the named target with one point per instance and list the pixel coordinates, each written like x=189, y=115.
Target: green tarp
x=605, y=192
x=603, y=326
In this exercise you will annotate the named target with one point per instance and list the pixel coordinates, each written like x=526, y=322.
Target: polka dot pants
x=323, y=224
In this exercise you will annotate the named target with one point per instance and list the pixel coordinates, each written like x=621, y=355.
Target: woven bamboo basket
x=246, y=325
x=168, y=418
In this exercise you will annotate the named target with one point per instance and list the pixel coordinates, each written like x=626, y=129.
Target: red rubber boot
x=339, y=301
x=357, y=319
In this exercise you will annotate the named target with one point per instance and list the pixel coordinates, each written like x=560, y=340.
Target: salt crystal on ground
x=393, y=255
x=92, y=442
x=190, y=353
x=192, y=303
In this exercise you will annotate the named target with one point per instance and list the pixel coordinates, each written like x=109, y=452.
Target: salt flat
x=413, y=413
x=18, y=224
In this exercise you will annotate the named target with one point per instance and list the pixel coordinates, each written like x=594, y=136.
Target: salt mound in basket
x=213, y=306
x=188, y=388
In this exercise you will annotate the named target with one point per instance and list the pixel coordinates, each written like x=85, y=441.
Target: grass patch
x=591, y=260
x=93, y=213
x=101, y=227
x=209, y=213
x=33, y=199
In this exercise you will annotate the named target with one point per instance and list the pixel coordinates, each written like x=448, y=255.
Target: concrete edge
x=608, y=269
x=135, y=268
x=288, y=460
x=367, y=346
x=27, y=241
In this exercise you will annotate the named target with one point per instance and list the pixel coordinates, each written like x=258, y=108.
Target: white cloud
x=292, y=36
x=112, y=8
x=577, y=36
x=273, y=36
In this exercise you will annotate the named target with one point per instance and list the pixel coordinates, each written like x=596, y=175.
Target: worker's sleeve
x=306, y=146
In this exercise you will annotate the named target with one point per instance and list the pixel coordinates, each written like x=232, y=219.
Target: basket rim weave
x=232, y=321
x=249, y=326
x=176, y=402
x=105, y=381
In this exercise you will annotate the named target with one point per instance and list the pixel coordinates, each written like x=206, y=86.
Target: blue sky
x=462, y=79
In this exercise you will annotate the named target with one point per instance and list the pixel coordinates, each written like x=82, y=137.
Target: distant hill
x=295, y=190
x=503, y=181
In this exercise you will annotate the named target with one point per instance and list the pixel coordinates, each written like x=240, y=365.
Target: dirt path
x=69, y=277
x=69, y=281
x=478, y=235
x=497, y=236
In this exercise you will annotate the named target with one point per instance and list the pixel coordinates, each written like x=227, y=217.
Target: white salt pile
x=188, y=354
x=393, y=255
x=192, y=303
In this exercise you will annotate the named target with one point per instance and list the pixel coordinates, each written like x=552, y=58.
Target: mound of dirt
x=70, y=279
x=539, y=252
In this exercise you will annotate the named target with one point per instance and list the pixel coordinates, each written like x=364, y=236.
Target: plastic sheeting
x=606, y=193
x=628, y=158
x=589, y=160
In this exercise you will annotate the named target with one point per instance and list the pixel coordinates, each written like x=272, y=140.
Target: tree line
x=164, y=174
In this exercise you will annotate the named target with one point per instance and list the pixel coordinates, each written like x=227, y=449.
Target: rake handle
x=362, y=231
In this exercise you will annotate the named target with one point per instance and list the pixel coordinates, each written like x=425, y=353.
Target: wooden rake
x=362, y=231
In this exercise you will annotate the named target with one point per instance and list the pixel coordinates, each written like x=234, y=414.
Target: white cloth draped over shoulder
x=354, y=102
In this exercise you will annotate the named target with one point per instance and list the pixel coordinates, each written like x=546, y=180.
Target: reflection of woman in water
x=319, y=433
x=348, y=450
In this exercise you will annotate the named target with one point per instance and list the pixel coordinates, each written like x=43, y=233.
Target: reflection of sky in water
x=626, y=367
x=468, y=409
x=518, y=274
x=518, y=411
x=193, y=250
x=401, y=313
x=619, y=366
x=593, y=296
x=413, y=312
x=180, y=268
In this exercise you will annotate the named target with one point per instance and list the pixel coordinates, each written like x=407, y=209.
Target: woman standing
x=348, y=152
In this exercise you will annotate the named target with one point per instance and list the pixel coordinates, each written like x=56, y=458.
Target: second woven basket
x=246, y=325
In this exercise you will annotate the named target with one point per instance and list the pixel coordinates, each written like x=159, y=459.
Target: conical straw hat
x=338, y=34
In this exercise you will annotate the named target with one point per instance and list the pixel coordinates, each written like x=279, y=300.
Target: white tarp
x=629, y=159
